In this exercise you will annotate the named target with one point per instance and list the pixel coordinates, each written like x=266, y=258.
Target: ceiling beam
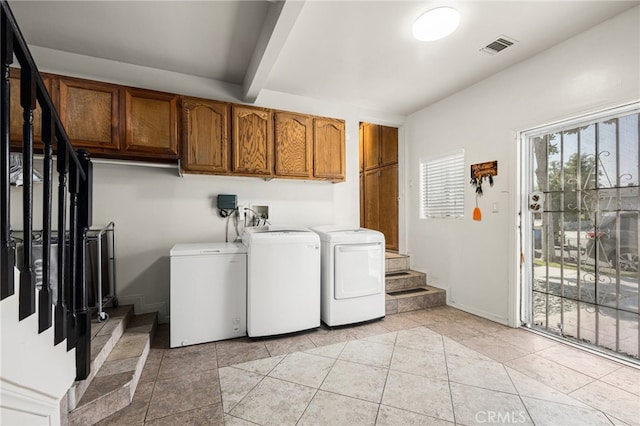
x=281, y=17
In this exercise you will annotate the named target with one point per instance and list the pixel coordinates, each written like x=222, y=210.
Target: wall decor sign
x=483, y=170
x=480, y=172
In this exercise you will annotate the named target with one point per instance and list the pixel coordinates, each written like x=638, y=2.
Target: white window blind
x=442, y=186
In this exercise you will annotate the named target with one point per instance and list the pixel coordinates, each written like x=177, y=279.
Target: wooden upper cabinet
x=293, y=144
x=328, y=149
x=151, y=124
x=252, y=140
x=388, y=145
x=371, y=148
x=380, y=145
x=205, y=135
x=16, y=112
x=89, y=113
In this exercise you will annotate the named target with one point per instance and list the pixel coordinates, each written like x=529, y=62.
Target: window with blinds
x=442, y=186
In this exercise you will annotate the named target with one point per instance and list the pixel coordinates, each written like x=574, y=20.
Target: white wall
x=154, y=208
x=34, y=374
x=477, y=261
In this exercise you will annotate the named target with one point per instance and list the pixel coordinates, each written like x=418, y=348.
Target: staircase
x=119, y=349
x=407, y=290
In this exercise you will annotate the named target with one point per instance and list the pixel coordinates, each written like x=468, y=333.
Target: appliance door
x=208, y=298
x=358, y=270
x=283, y=286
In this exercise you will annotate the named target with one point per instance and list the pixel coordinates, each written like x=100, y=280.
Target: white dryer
x=353, y=279
x=283, y=279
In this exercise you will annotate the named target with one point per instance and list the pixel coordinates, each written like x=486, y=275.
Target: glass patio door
x=583, y=212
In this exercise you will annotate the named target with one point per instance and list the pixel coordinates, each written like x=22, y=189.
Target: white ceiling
x=356, y=52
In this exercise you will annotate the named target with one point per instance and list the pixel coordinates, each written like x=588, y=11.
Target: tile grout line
x=446, y=363
x=386, y=379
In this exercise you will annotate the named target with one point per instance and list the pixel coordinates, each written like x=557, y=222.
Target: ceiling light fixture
x=436, y=23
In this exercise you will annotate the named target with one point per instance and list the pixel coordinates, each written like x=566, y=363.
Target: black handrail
x=72, y=317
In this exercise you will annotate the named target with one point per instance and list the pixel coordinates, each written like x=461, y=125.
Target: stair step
x=396, y=262
x=104, y=336
x=413, y=299
x=115, y=382
x=402, y=280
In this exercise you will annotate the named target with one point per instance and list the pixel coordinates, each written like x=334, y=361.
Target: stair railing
x=74, y=169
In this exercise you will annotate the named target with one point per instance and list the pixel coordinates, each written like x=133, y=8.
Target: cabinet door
x=89, y=113
x=371, y=200
x=371, y=145
x=293, y=143
x=388, y=205
x=205, y=142
x=252, y=140
x=388, y=145
x=361, y=146
x=362, y=201
x=16, y=119
x=151, y=124
x=381, y=203
x=328, y=149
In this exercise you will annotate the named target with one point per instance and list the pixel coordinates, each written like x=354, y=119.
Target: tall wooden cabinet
x=293, y=144
x=379, y=181
x=205, y=127
x=252, y=140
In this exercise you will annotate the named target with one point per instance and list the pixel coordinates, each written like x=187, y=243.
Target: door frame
x=520, y=307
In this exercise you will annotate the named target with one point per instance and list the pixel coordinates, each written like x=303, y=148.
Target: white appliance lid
x=341, y=233
x=275, y=228
x=195, y=249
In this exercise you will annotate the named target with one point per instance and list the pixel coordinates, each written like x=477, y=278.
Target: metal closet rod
x=177, y=166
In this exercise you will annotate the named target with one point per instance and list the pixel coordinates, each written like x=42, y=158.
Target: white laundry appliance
x=353, y=279
x=283, y=279
x=208, y=292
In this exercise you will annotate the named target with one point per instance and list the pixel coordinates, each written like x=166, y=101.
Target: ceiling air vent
x=498, y=45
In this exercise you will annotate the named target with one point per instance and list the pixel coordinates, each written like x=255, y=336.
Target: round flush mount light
x=436, y=24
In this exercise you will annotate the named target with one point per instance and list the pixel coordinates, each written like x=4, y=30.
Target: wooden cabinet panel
x=362, y=201
x=293, y=144
x=16, y=119
x=381, y=203
x=361, y=147
x=388, y=205
x=252, y=140
x=328, y=149
x=89, y=113
x=371, y=200
x=388, y=145
x=151, y=123
x=371, y=145
x=380, y=145
x=205, y=142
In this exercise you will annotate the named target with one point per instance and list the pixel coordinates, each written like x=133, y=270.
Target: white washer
x=352, y=275
x=208, y=292
x=283, y=279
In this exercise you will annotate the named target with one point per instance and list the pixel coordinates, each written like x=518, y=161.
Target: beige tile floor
x=434, y=367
